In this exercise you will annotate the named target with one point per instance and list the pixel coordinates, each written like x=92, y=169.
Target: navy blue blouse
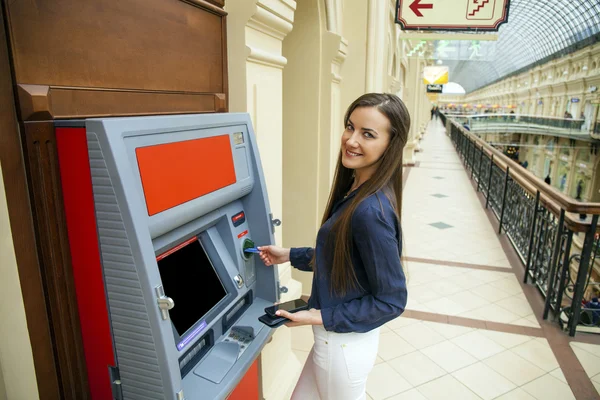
x=376, y=245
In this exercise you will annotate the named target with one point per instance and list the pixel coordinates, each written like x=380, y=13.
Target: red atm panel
x=175, y=173
x=78, y=200
x=247, y=389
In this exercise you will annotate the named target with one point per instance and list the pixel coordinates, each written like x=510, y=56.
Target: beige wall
x=377, y=45
x=333, y=53
x=255, y=32
x=414, y=98
x=355, y=67
x=2, y=387
x=17, y=374
x=301, y=108
x=332, y=58
x=313, y=107
x=295, y=67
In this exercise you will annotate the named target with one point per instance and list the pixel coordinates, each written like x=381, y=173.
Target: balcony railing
x=541, y=224
x=517, y=123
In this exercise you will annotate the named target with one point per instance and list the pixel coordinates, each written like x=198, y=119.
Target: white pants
x=338, y=366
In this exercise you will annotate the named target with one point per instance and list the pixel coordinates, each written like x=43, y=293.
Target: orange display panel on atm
x=175, y=173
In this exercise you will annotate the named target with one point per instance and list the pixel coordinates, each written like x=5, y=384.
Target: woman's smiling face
x=364, y=141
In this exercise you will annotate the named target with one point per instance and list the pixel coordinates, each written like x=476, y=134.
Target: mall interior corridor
x=471, y=329
x=149, y=148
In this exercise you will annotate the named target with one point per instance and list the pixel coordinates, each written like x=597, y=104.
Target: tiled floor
x=589, y=356
x=458, y=273
x=470, y=293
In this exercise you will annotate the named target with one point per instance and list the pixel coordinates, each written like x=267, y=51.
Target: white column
x=413, y=100
x=333, y=54
x=301, y=133
x=340, y=49
x=354, y=70
x=376, y=45
x=256, y=29
x=313, y=119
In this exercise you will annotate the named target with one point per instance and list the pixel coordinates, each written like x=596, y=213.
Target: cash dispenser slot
x=188, y=361
x=219, y=361
x=237, y=311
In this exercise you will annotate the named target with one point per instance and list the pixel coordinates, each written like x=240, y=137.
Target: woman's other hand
x=310, y=317
x=273, y=254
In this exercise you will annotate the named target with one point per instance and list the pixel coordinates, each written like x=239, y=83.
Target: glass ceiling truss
x=536, y=32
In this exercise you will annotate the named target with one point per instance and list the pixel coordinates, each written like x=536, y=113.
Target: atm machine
x=176, y=200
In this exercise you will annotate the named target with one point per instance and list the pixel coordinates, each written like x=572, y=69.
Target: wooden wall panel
x=39, y=103
x=78, y=59
x=219, y=3
x=55, y=261
x=21, y=221
x=131, y=44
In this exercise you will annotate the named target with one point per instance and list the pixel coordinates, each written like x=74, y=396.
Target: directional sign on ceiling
x=452, y=15
x=471, y=50
x=435, y=75
x=435, y=88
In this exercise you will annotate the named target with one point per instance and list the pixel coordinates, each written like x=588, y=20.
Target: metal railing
x=541, y=224
x=516, y=123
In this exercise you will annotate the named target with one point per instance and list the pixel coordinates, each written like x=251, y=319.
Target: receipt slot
x=176, y=200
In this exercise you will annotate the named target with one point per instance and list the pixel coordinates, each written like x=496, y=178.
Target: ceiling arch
x=536, y=31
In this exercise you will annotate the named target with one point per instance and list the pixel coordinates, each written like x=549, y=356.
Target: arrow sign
x=452, y=15
x=443, y=48
x=416, y=6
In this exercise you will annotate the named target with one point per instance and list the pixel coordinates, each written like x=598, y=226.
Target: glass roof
x=536, y=31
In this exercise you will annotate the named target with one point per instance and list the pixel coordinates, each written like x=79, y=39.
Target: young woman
x=358, y=282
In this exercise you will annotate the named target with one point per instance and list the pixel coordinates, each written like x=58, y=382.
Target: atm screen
x=190, y=279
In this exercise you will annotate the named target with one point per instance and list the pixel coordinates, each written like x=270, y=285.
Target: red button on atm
x=241, y=235
x=238, y=219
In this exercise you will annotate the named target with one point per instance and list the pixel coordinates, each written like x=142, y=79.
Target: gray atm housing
x=149, y=363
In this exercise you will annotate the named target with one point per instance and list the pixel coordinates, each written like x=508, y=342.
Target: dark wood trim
x=215, y=6
x=225, y=97
x=20, y=217
x=136, y=45
x=55, y=258
x=220, y=3
x=34, y=102
x=40, y=102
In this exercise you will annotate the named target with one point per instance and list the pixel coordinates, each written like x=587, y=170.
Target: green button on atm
x=247, y=244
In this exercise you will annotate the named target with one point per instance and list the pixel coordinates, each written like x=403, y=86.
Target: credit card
x=252, y=250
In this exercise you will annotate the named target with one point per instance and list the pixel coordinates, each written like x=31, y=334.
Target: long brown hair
x=387, y=178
